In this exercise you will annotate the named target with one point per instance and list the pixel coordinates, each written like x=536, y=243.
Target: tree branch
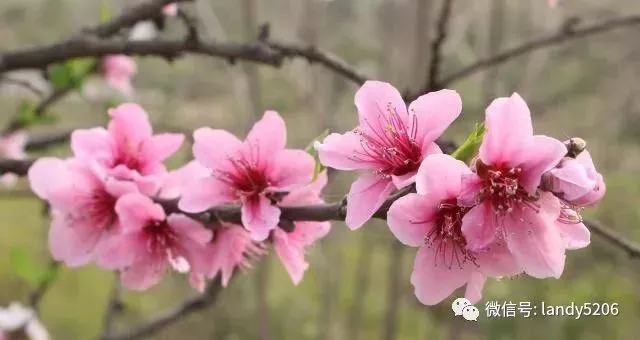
x=614, y=238
x=563, y=36
x=437, y=47
x=169, y=316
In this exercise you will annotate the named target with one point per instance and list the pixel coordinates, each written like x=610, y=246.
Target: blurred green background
x=357, y=286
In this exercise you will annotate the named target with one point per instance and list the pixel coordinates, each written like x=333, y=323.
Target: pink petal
x=170, y=10
x=375, y=100
x=12, y=145
x=469, y=190
x=129, y=125
x=291, y=254
x=343, y=152
x=46, y=174
x=594, y=196
x=290, y=169
x=259, y=216
x=495, y=260
x=571, y=180
x=404, y=180
x=440, y=175
x=8, y=180
x=541, y=155
x=433, y=113
x=120, y=251
x=144, y=274
x=473, y=293
x=309, y=232
x=432, y=280
x=74, y=244
x=118, y=188
x=509, y=127
x=135, y=211
x=575, y=235
x=366, y=195
x=197, y=281
x=410, y=218
x=176, y=181
x=189, y=228
x=308, y=194
x=212, y=147
x=204, y=193
x=533, y=239
x=267, y=138
x=160, y=147
x=479, y=226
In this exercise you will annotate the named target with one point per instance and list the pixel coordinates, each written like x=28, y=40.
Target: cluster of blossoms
x=513, y=209
x=106, y=200
x=12, y=146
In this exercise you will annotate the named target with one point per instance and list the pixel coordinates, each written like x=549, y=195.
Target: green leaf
x=27, y=115
x=60, y=76
x=30, y=270
x=105, y=11
x=111, y=103
x=470, y=147
x=313, y=152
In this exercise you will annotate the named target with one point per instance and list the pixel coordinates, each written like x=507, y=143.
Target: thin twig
x=437, y=45
x=25, y=84
x=548, y=41
x=165, y=318
x=614, y=238
x=114, y=307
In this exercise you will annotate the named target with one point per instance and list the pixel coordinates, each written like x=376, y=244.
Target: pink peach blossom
x=12, y=147
x=431, y=219
x=232, y=248
x=82, y=198
x=170, y=10
x=150, y=242
x=21, y=321
x=117, y=71
x=177, y=180
x=290, y=246
x=388, y=144
x=504, y=189
x=249, y=172
x=552, y=3
x=128, y=149
x=577, y=181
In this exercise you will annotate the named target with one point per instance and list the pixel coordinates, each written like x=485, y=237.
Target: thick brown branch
x=39, y=57
x=548, y=41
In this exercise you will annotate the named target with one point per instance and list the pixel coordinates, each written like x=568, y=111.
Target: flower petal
x=375, y=100
x=213, y=148
x=259, y=216
x=469, y=190
x=343, y=152
x=509, y=127
x=575, y=235
x=135, y=211
x=120, y=251
x=534, y=240
x=73, y=242
x=144, y=274
x=473, y=293
x=495, y=260
x=290, y=169
x=129, y=125
x=431, y=114
x=204, y=193
x=291, y=254
x=309, y=194
x=479, y=226
x=95, y=143
x=542, y=154
x=432, y=280
x=411, y=217
x=160, y=147
x=46, y=174
x=267, y=138
x=189, y=228
x=440, y=176
x=365, y=197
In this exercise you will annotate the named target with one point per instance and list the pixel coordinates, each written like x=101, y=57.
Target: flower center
x=245, y=177
x=502, y=187
x=160, y=237
x=446, y=236
x=99, y=210
x=388, y=143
